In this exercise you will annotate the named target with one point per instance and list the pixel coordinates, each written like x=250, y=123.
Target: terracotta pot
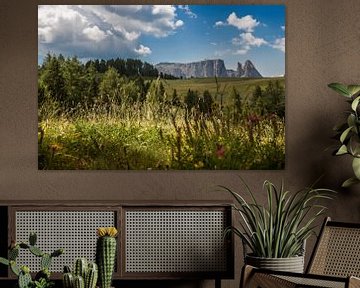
x=291, y=264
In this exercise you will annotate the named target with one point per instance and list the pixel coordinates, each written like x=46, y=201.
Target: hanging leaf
x=342, y=150
x=345, y=134
x=356, y=167
x=355, y=103
x=340, y=88
x=349, y=182
x=353, y=89
x=351, y=120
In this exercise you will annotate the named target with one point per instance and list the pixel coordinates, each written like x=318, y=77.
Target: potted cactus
x=42, y=278
x=106, y=254
x=84, y=275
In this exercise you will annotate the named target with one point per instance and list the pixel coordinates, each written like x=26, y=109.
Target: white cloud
x=222, y=53
x=143, y=50
x=249, y=39
x=246, y=23
x=242, y=51
x=283, y=28
x=246, y=41
x=163, y=10
x=187, y=11
x=179, y=23
x=279, y=44
x=219, y=23
x=102, y=31
x=94, y=33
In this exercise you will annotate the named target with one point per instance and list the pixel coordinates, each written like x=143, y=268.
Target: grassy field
x=244, y=86
x=157, y=135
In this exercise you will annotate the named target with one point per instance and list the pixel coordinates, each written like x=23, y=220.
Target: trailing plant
x=85, y=275
x=349, y=132
x=42, y=278
x=278, y=229
x=105, y=254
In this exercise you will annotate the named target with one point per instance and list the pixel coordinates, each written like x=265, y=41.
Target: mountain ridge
x=208, y=68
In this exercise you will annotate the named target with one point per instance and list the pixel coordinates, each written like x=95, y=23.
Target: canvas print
x=161, y=87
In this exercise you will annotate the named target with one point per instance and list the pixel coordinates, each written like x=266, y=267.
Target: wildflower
x=55, y=147
x=199, y=165
x=220, y=151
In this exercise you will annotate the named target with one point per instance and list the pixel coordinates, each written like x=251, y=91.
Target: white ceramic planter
x=291, y=264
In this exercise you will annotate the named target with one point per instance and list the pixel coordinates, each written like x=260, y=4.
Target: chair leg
x=217, y=282
x=246, y=274
x=251, y=279
x=354, y=282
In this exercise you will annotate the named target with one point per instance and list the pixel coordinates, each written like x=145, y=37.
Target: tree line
x=72, y=83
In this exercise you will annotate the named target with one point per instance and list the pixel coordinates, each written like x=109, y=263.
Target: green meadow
x=92, y=119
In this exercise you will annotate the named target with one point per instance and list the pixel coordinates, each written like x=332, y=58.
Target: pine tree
x=52, y=80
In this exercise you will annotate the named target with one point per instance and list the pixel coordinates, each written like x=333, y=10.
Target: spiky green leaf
x=340, y=88
x=279, y=228
x=349, y=182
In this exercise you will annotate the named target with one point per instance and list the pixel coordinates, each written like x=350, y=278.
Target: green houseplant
x=42, y=278
x=106, y=254
x=279, y=229
x=349, y=132
x=84, y=274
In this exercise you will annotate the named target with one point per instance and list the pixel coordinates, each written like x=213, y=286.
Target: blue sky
x=167, y=33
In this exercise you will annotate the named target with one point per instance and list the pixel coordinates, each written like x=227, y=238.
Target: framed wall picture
x=161, y=87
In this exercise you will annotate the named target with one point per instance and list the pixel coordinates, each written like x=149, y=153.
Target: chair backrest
x=337, y=251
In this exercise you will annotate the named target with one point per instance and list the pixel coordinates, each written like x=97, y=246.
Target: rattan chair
x=334, y=263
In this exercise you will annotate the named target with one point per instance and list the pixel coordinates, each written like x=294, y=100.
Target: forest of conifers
x=123, y=114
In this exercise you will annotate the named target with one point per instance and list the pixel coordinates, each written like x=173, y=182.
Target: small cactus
x=23, y=273
x=84, y=274
x=45, y=261
x=80, y=268
x=32, y=239
x=79, y=282
x=24, y=246
x=36, y=251
x=91, y=276
x=57, y=252
x=24, y=280
x=67, y=269
x=14, y=268
x=106, y=254
x=44, y=273
x=68, y=280
x=13, y=253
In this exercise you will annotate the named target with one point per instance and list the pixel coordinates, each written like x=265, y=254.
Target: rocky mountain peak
x=208, y=68
x=239, y=70
x=250, y=71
